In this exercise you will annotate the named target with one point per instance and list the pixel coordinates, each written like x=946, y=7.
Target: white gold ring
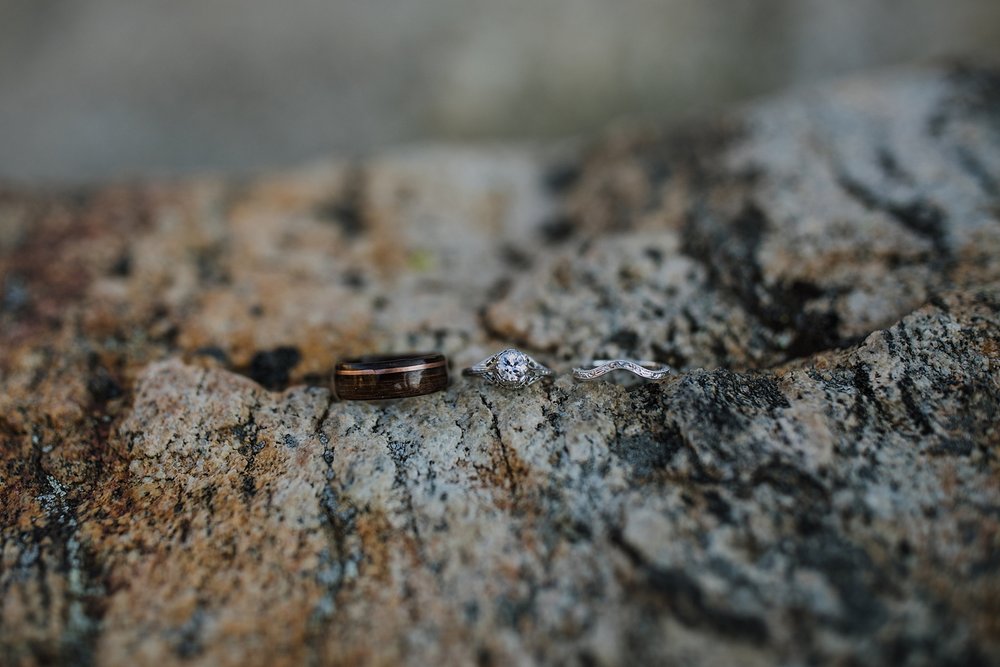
x=649, y=370
x=509, y=368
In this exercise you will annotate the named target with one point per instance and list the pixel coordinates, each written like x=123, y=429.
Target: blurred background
x=95, y=89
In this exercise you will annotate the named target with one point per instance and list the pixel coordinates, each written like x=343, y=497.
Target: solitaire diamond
x=512, y=366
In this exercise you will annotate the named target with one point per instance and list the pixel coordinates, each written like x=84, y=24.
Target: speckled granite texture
x=820, y=483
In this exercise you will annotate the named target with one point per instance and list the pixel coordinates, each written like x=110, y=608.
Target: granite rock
x=818, y=484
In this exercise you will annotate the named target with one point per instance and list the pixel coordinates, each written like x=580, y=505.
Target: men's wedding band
x=379, y=377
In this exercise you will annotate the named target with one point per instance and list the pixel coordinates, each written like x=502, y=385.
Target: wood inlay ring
x=381, y=377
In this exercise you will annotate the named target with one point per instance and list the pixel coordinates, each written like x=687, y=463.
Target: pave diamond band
x=649, y=370
x=509, y=368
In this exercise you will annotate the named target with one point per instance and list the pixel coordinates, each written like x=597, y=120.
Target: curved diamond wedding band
x=509, y=368
x=649, y=370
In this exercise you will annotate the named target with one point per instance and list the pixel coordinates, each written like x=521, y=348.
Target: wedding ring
x=649, y=370
x=379, y=377
x=509, y=368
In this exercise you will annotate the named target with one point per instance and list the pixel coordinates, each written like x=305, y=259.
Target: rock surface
x=820, y=483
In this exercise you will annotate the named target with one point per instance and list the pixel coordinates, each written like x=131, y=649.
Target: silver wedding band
x=648, y=370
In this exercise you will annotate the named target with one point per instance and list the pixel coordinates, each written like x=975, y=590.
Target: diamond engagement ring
x=510, y=368
x=649, y=370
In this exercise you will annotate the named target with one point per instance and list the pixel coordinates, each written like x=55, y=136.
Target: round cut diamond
x=512, y=366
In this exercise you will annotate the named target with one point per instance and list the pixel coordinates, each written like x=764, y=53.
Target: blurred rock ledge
x=177, y=484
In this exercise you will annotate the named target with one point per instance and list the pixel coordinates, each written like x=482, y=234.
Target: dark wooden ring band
x=380, y=377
